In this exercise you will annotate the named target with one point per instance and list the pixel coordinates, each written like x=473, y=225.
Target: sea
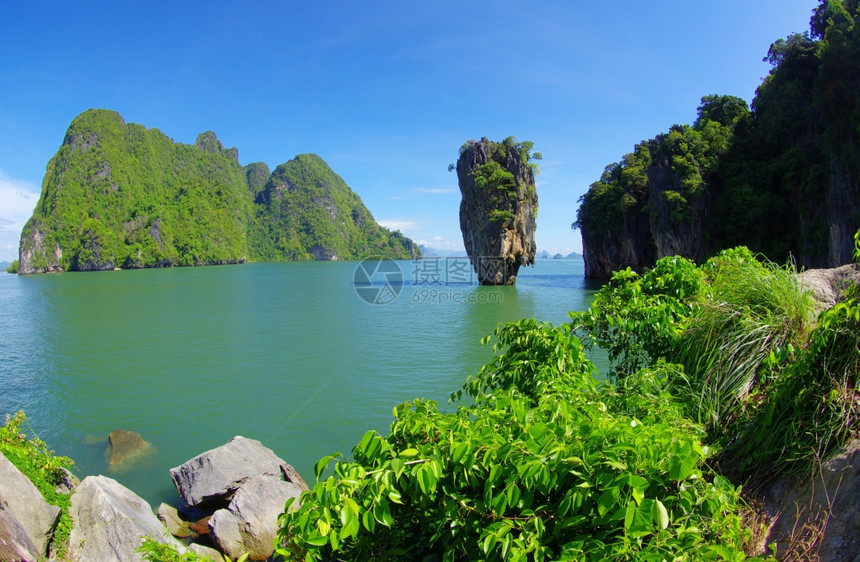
x=304, y=357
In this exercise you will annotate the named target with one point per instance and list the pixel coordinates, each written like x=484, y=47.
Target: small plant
x=156, y=551
x=44, y=469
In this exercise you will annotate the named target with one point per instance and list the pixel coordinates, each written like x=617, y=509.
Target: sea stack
x=499, y=208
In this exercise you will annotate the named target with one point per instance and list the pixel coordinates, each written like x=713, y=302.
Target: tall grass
x=749, y=310
x=812, y=405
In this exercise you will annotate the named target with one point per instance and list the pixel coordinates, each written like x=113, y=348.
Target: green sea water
x=286, y=353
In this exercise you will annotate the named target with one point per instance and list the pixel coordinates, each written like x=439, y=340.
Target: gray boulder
x=820, y=510
x=173, y=521
x=215, y=475
x=15, y=543
x=24, y=508
x=110, y=522
x=250, y=522
x=205, y=552
x=829, y=286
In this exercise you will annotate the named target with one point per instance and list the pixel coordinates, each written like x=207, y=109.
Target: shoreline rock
x=26, y=519
x=110, y=522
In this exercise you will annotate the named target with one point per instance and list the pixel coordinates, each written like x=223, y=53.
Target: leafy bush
x=638, y=318
x=545, y=464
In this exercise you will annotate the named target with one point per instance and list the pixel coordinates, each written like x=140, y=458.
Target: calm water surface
x=285, y=353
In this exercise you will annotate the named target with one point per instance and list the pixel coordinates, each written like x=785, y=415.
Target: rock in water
x=499, y=207
x=126, y=449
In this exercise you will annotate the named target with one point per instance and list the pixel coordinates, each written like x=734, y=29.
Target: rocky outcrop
x=249, y=523
x=498, y=210
x=110, y=522
x=818, y=516
x=26, y=519
x=127, y=449
x=214, y=476
x=843, y=212
x=15, y=542
x=238, y=490
x=829, y=286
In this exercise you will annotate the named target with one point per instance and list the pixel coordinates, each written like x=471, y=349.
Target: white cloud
x=399, y=224
x=18, y=198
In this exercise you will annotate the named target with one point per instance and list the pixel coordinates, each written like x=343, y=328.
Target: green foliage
x=545, y=464
x=749, y=310
x=638, y=318
x=13, y=267
x=44, y=469
x=775, y=391
x=305, y=205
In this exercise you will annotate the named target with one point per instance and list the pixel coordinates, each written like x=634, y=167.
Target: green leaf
x=661, y=515
x=395, y=497
x=316, y=540
x=368, y=520
x=408, y=453
x=458, y=452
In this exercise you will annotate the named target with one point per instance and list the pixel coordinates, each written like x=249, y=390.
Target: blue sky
x=385, y=92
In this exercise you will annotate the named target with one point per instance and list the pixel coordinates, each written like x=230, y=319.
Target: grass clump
x=45, y=470
x=747, y=310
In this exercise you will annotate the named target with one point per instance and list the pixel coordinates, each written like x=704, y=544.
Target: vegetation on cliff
x=499, y=207
x=781, y=177
x=121, y=195
x=306, y=211
x=44, y=469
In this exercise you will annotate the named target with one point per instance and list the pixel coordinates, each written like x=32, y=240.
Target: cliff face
x=498, y=209
x=651, y=205
x=121, y=195
x=780, y=177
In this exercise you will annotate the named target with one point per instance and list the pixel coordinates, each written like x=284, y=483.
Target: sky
x=385, y=92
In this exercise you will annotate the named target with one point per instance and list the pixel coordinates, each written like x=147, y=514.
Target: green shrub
x=546, y=464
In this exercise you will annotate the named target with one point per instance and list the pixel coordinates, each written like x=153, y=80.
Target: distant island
x=544, y=255
x=119, y=195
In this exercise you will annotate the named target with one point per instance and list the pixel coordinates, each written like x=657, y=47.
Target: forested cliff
x=118, y=194
x=781, y=176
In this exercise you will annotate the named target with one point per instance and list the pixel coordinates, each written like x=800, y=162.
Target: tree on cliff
x=499, y=207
